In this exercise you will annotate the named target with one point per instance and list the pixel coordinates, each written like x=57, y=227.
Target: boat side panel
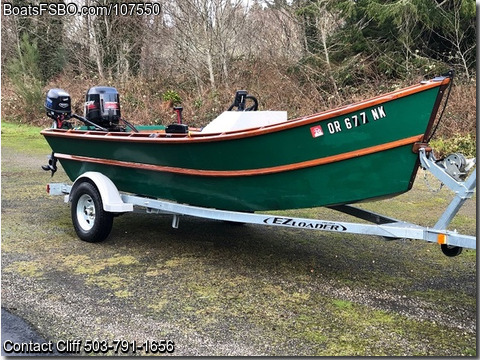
x=375, y=175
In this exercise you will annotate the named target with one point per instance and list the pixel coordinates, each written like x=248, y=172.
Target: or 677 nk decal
x=351, y=122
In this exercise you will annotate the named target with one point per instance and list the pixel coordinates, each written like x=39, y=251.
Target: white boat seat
x=242, y=120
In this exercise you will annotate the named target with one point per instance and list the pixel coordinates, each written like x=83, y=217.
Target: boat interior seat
x=243, y=120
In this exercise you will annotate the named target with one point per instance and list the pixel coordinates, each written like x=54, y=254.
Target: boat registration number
x=350, y=122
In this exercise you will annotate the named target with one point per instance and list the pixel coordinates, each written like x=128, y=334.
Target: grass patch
x=25, y=138
x=342, y=304
x=442, y=296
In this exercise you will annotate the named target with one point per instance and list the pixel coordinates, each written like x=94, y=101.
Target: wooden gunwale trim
x=194, y=137
x=250, y=172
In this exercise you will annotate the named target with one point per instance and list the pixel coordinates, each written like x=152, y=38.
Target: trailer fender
x=112, y=202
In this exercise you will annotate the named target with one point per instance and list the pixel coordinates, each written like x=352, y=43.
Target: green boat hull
x=348, y=155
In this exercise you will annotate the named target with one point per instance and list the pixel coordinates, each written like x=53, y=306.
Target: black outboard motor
x=59, y=107
x=102, y=107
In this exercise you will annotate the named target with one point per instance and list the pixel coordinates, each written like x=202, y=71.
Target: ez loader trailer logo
x=304, y=224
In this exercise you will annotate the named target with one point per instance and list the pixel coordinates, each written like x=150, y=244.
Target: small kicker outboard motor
x=59, y=107
x=102, y=107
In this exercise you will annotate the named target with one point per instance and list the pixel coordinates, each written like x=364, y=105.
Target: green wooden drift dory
x=259, y=160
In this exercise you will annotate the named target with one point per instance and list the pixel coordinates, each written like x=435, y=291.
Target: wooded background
x=302, y=56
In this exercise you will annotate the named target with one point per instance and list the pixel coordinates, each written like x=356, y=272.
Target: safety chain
x=429, y=186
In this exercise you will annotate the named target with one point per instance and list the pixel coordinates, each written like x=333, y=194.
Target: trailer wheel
x=450, y=250
x=91, y=222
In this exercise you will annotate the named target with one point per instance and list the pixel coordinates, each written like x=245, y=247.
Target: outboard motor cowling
x=58, y=104
x=102, y=106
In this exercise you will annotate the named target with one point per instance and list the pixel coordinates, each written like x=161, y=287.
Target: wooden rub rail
x=246, y=172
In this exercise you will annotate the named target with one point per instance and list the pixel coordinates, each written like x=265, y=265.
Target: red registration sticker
x=316, y=131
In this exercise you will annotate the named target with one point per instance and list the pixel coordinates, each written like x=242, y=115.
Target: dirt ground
x=214, y=288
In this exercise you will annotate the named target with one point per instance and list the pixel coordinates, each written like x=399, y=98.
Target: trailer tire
x=451, y=250
x=91, y=222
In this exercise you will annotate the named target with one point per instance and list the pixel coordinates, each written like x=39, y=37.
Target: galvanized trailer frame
x=451, y=241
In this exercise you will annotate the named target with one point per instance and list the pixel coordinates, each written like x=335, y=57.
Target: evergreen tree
x=50, y=43
x=401, y=37
x=26, y=76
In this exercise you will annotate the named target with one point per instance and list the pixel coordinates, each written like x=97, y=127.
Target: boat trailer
x=95, y=200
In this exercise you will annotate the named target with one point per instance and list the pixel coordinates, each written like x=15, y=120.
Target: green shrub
x=24, y=72
x=464, y=144
x=173, y=96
